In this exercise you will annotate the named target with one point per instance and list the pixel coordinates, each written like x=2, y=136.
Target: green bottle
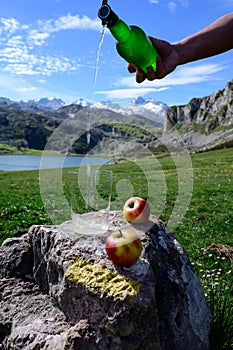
x=132, y=42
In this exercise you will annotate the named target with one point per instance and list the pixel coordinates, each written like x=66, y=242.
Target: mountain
x=209, y=112
x=44, y=104
x=50, y=103
x=109, y=112
x=148, y=108
x=32, y=128
x=203, y=124
x=26, y=129
x=82, y=103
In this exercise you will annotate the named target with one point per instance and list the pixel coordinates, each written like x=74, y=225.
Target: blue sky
x=49, y=48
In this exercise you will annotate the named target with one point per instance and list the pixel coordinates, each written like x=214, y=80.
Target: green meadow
x=194, y=198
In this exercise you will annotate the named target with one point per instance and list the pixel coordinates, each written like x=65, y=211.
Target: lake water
x=23, y=162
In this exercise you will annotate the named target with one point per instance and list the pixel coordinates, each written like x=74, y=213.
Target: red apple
x=136, y=210
x=123, y=247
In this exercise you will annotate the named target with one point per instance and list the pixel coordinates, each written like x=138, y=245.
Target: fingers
x=140, y=76
x=150, y=73
x=131, y=68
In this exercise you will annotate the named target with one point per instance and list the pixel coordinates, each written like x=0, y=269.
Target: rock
x=212, y=111
x=202, y=124
x=60, y=291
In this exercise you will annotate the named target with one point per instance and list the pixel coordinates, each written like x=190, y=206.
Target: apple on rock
x=136, y=210
x=123, y=247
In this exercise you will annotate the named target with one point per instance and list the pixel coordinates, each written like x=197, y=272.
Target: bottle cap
x=107, y=16
x=104, y=12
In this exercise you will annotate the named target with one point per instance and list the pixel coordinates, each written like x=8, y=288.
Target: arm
x=211, y=40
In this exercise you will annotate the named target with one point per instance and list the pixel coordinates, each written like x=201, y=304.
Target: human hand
x=166, y=62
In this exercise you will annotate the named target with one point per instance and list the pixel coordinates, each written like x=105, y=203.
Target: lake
x=24, y=162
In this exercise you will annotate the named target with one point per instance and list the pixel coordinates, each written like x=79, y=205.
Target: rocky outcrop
x=60, y=291
x=210, y=111
x=193, y=141
x=201, y=125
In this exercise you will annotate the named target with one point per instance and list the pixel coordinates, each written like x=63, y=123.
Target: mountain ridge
x=32, y=128
x=209, y=111
x=43, y=104
x=202, y=124
x=149, y=108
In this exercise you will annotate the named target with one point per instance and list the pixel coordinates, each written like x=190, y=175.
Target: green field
x=208, y=219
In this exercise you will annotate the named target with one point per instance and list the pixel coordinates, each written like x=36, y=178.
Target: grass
x=8, y=150
x=208, y=220
x=20, y=203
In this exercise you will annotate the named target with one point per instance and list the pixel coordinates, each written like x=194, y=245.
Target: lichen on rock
x=102, y=280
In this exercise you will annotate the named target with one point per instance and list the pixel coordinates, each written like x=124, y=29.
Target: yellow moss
x=102, y=280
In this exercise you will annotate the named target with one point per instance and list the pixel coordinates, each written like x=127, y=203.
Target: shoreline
x=27, y=162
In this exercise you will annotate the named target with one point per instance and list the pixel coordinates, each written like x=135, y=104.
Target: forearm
x=212, y=40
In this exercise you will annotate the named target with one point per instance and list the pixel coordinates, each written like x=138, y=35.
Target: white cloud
x=68, y=22
x=182, y=76
x=15, y=41
x=17, y=58
x=10, y=84
x=172, y=6
x=18, y=88
x=18, y=44
x=76, y=22
x=37, y=38
x=9, y=25
x=27, y=89
x=128, y=93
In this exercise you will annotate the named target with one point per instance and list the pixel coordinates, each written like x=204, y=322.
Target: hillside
x=105, y=127
x=210, y=111
x=32, y=129
x=203, y=124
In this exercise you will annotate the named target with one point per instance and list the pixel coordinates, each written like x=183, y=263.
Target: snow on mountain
x=83, y=103
x=106, y=104
x=138, y=101
x=51, y=103
x=149, y=104
x=149, y=108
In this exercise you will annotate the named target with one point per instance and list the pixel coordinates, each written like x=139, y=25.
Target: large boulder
x=59, y=290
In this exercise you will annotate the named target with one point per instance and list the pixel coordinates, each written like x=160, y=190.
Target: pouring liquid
x=98, y=59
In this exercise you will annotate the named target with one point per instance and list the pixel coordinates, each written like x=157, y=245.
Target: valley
x=201, y=125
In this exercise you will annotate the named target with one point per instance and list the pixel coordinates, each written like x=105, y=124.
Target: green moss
x=102, y=280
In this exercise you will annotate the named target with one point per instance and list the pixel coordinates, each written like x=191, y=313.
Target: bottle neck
x=120, y=30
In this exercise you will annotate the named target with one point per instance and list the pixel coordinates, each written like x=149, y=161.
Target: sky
x=52, y=48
